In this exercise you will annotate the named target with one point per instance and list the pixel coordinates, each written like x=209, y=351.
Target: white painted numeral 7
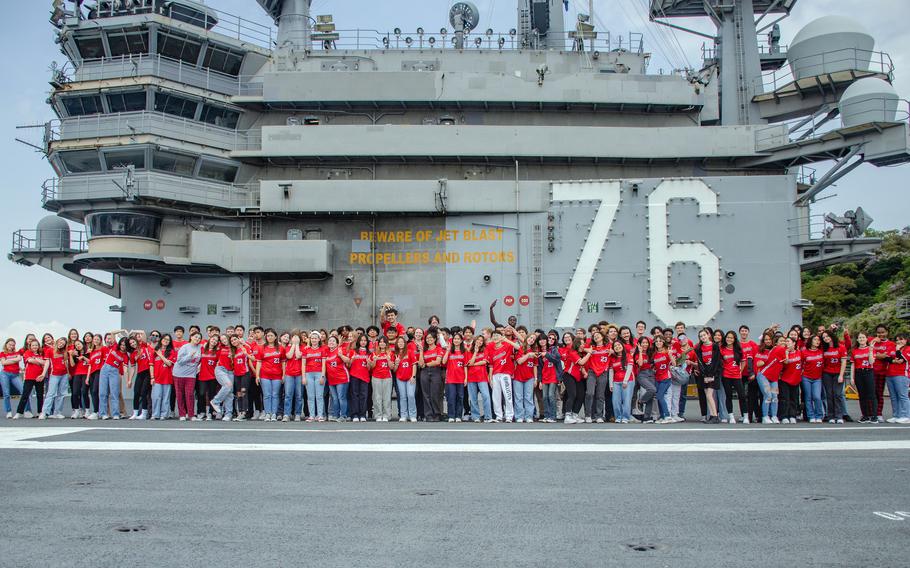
x=608, y=193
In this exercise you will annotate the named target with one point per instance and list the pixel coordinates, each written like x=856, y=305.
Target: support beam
x=839, y=170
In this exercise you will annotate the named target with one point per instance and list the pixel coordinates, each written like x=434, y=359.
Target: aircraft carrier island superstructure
x=302, y=175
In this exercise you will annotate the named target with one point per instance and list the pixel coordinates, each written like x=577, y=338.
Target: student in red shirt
x=405, y=364
x=500, y=353
x=293, y=377
x=270, y=371
x=116, y=363
x=622, y=381
x=163, y=377
x=454, y=361
x=731, y=353
x=661, y=362
x=707, y=373
x=596, y=385
x=244, y=377
x=882, y=347
x=898, y=379
x=10, y=358
x=524, y=381
x=813, y=364
x=574, y=359
x=359, y=357
x=313, y=354
x=206, y=386
x=78, y=365
x=96, y=354
x=479, y=381
x=862, y=377
x=790, y=379
x=36, y=368
x=753, y=393
x=381, y=372
x=142, y=358
x=336, y=374
x=833, y=370
x=56, y=380
x=223, y=401
x=550, y=367
x=431, y=376
x=769, y=362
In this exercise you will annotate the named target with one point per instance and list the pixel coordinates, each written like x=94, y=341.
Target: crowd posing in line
x=502, y=373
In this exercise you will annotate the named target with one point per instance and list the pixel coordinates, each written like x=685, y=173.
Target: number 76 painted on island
x=662, y=253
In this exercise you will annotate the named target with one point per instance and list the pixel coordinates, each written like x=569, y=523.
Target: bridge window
x=130, y=101
x=219, y=116
x=123, y=225
x=174, y=163
x=178, y=106
x=222, y=60
x=82, y=105
x=116, y=159
x=81, y=161
x=218, y=171
x=127, y=43
x=90, y=47
x=178, y=47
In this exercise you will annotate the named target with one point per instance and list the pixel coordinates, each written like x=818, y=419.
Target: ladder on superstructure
x=255, y=279
x=741, y=88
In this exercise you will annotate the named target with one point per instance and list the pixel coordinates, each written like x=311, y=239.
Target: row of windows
x=170, y=44
x=135, y=101
x=140, y=157
x=122, y=224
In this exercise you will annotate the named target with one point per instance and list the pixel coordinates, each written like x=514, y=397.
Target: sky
x=35, y=299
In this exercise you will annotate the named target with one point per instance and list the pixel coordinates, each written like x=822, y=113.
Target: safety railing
x=206, y=17
x=144, y=64
x=49, y=240
x=807, y=228
x=848, y=59
x=153, y=185
x=367, y=39
x=145, y=122
x=710, y=52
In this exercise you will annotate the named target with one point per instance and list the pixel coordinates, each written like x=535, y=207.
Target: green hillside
x=863, y=294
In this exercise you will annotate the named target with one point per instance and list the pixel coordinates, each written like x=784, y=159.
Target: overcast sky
x=34, y=299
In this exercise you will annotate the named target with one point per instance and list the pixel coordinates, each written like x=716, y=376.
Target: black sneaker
x=713, y=420
x=847, y=418
x=863, y=420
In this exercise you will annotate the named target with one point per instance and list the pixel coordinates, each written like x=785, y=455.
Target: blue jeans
x=407, y=398
x=484, y=390
x=57, y=389
x=455, y=400
x=7, y=380
x=225, y=396
x=523, y=399
x=900, y=404
x=769, y=396
x=720, y=399
x=812, y=397
x=270, y=389
x=314, y=396
x=549, y=401
x=109, y=390
x=622, y=400
x=662, y=388
x=293, y=395
x=338, y=400
x=161, y=400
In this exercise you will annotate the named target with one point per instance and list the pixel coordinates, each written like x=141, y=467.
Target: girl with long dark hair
x=36, y=369
x=10, y=358
x=163, y=378
x=790, y=379
x=116, y=363
x=79, y=365
x=833, y=370
x=707, y=373
x=621, y=382
x=863, y=378
x=359, y=361
x=813, y=366
x=573, y=360
x=731, y=353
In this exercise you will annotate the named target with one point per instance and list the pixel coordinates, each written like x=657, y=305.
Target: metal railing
x=820, y=64
x=209, y=18
x=144, y=122
x=49, y=240
x=153, y=185
x=144, y=64
x=710, y=52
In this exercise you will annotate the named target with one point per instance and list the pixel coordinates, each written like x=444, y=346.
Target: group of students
x=502, y=373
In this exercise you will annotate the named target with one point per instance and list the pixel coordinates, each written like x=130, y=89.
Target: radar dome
x=828, y=45
x=868, y=100
x=53, y=233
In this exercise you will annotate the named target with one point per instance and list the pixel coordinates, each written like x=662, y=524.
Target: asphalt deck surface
x=127, y=493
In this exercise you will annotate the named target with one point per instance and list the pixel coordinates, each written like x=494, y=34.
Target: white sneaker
x=42, y=416
x=405, y=420
x=58, y=416
x=9, y=414
x=839, y=421
x=451, y=420
x=731, y=420
x=28, y=414
x=286, y=418
x=134, y=416
x=745, y=419
x=588, y=420
x=92, y=416
x=297, y=418
x=117, y=417
x=73, y=417
x=766, y=420
x=775, y=420
x=256, y=415
x=16, y=416
x=195, y=419
x=599, y=421
x=891, y=420
x=570, y=419
x=411, y=420
x=459, y=420
x=183, y=418
x=903, y=420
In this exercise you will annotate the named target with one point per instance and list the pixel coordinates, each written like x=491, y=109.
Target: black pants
x=575, y=395
x=205, y=392
x=865, y=384
x=359, y=401
x=142, y=387
x=789, y=400
x=244, y=398
x=753, y=394
x=418, y=396
x=702, y=399
x=831, y=396
x=281, y=400
x=93, y=389
x=735, y=384
x=80, y=399
x=431, y=389
x=27, y=388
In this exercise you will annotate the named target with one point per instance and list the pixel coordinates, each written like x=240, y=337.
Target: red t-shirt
x=33, y=370
x=241, y=358
x=599, y=361
x=478, y=373
x=381, y=365
x=731, y=368
x=144, y=357
x=619, y=363
x=81, y=366
x=813, y=363
x=570, y=359
x=207, y=366
x=164, y=374
x=96, y=358
x=58, y=364
x=271, y=359
x=548, y=371
x=405, y=370
x=760, y=360
x=399, y=327
x=793, y=368
x=335, y=371
x=115, y=358
x=225, y=359
x=359, y=359
x=524, y=372
x=833, y=357
x=178, y=343
x=455, y=373
x=502, y=358
x=882, y=348
x=661, y=363
x=433, y=355
x=860, y=357
x=750, y=348
x=293, y=367
x=707, y=352
x=11, y=367
x=898, y=365
x=314, y=357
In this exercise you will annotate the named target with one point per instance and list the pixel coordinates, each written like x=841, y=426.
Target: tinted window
x=217, y=171
x=123, y=158
x=123, y=225
x=80, y=106
x=127, y=43
x=219, y=116
x=222, y=60
x=173, y=163
x=90, y=47
x=81, y=161
x=177, y=47
x=126, y=102
x=175, y=105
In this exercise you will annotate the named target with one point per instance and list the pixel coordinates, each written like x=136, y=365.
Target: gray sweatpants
x=382, y=398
